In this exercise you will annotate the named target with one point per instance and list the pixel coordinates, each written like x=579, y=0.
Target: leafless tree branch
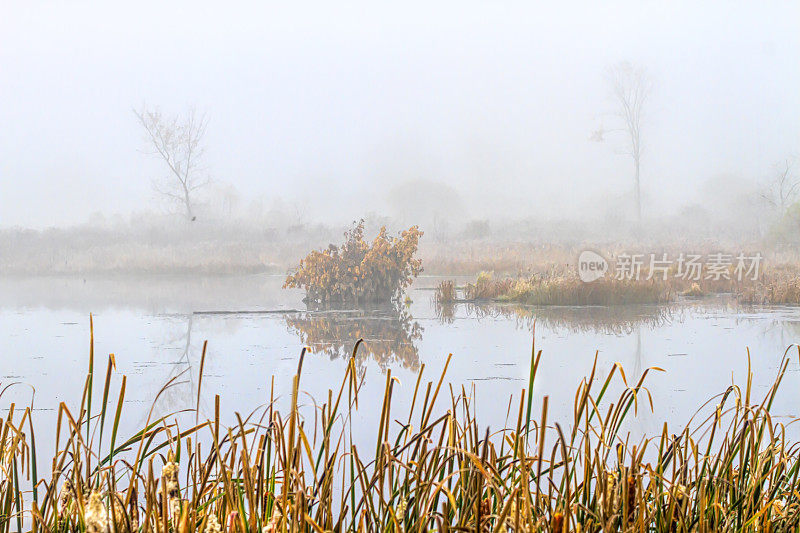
x=178, y=141
x=782, y=190
x=631, y=86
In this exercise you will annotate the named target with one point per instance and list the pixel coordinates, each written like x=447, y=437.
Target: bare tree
x=178, y=141
x=631, y=86
x=782, y=191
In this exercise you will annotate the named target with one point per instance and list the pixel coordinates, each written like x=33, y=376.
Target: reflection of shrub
x=389, y=336
x=359, y=272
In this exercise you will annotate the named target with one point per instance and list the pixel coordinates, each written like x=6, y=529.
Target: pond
x=156, y=328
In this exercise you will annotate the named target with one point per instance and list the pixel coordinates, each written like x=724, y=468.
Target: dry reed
x=436, y=467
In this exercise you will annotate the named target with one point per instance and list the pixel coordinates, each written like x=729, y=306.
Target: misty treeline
x=201, y=223
x=234, y=235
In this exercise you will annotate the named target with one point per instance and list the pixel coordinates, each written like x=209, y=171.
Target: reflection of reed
x=612, y=320
x=178, y=388
x=389, y=335
x=445, y=310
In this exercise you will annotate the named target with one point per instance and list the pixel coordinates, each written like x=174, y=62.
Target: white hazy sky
x=331, y=103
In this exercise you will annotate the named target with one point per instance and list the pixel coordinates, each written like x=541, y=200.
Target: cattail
x=69, y=494
x=777, y=508
x=170, y=475
x=95, y=515
x=401, y=509
x=134, y=509
x=117, y=515
x=558, y=522
x=65, y=496
x=212, y=525
x=486, y=506
x=631, y=496
x=609, y=498
x=681, y=498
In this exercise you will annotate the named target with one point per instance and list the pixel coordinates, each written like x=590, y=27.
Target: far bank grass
x=562, y=289
x=775, y=286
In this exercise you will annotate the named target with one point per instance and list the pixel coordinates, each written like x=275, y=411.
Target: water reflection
x=389, y=334
x=178, y=386
x=617, y=320
x=255, y=332
x=445, y=311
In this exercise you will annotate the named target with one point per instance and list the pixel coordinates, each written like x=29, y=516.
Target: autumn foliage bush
x=359, y=272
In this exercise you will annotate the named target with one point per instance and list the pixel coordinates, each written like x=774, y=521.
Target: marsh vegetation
x=559, y=285
x=437, y=466
x=177, y=172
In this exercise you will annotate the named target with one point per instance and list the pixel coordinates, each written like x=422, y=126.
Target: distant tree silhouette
x=178, y=141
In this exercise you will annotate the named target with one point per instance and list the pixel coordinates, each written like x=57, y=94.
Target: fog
x=190, y=193
x=330, y=112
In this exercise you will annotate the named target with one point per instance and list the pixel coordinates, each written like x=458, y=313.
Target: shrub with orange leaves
x=359, y=272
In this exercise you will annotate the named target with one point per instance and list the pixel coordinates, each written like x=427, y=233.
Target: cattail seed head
x=95, y=515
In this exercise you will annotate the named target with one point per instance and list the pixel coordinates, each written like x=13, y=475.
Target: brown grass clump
x=436, y=467
x=694, y=291
x=776, y=286
x=487, y=288
x=358, y=272
x=565, y=289
x=444, y=301
x=569, y=291
x=446, y=292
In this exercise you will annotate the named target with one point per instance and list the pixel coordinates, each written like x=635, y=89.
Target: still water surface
x=156, y=329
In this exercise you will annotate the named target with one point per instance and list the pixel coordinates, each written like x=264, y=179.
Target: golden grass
x=444, y=300
x=694, y=291
x=471, y=258
x=776, y=286
x=564, y=289
x=446, y=292
x=548, y=272
x=436, y=467
x=560, y=285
